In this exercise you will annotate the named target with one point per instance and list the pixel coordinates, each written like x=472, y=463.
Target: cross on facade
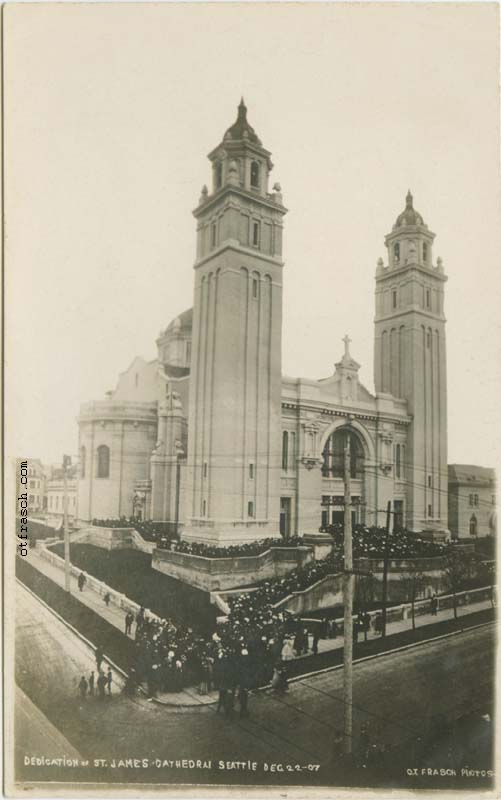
x=347, y=341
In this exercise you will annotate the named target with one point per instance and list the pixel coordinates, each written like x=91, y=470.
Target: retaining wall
x=211, y=574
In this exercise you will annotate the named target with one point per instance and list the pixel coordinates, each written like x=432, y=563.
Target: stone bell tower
x=234, y=441
x=410, y=361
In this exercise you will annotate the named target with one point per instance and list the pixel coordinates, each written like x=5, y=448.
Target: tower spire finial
x=347, y=341
x=242, y=110
x=409, y=199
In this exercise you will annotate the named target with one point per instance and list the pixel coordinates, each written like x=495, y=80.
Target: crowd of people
x=162, y=533
x=371, y=542
x=255, y=642
x=249, y=649
x=234, y=551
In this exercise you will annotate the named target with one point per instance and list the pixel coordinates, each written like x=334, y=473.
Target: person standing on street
x=99, y=658
x=91, y=684
x=109, y=680
x=101, y=685
x=81, y=581
x=82, y=688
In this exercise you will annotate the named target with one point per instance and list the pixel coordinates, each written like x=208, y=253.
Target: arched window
x=254, y=175
x=285, y=450
x=396, y=252
x=473, y=525
x=103, y=461
x=397, y=461
x=333, y=456
x=82, y=462
x=425, y=252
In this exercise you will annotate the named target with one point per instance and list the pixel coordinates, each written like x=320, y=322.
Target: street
x=399, y=697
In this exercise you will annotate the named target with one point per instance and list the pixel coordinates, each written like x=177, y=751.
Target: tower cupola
x=240, y=159
x=410, y=240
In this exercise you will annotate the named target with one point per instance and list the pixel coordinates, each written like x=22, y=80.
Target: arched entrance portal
x=333, y=476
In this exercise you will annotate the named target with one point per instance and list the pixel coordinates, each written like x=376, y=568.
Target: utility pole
x=348, y=586
x=179, y=453
x=66, y=464
x=385, y=569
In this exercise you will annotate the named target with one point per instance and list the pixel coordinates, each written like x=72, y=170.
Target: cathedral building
x=212, y=437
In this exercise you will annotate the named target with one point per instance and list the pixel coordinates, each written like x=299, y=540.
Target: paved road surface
x=399, y=696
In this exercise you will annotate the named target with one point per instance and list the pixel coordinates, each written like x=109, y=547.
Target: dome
x=409, y=215
x=182, y=322
x=241, y=128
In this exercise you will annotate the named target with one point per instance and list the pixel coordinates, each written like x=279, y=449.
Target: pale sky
x=110, y=112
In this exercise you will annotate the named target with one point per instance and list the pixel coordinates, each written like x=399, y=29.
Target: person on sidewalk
x=109, y=680
x=316, y=637
x=99, y=658
x=82, y=688
x=139, y=621
x=82, y=580
x=91, y=684
x=107, y=598
x=101, y=685
x=129, y=619
x=355, y=631
x=287, y=651
x=434, y=605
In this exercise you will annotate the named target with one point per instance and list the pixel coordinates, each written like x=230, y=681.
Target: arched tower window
x=333, y=456
x=219, y=174
x=473, y=525
x=396, y=252
x=83, y=454
x=103, y=461
x=254, y=175
x=285, y=450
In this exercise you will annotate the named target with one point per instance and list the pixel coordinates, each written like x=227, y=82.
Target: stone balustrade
x=116, y=598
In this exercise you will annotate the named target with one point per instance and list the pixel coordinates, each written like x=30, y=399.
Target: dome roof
x=182, y=322
x=241, y=128
x=409, y=215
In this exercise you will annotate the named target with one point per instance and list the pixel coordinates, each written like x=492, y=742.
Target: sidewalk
x=189, y=696
x=404, y=625
x=116, y=617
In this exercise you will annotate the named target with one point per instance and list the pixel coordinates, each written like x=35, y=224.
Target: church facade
x=211, y=437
